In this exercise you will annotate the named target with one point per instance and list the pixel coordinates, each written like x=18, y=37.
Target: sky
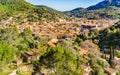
x=65, y=5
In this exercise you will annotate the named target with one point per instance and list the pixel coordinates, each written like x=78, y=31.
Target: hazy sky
x=64, y=5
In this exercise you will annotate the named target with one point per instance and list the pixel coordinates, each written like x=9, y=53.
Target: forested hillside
x=21, y=10
x=105, y=38
x=108, y=13
x=109, y=9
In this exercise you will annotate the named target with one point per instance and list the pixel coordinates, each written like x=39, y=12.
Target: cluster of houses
x=62, y=28
x=66, y=29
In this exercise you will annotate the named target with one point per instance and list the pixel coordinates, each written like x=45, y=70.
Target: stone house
x=30, y=56
x=110, y=71
x=18, y=61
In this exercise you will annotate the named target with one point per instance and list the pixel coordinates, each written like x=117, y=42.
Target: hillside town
x=43, y=40
x=63, y=28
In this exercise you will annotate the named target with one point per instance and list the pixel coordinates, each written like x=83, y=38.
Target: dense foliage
x=108, y=38
x=7, y=54
x=12, y=43
x=61, y=60
x=104, y=38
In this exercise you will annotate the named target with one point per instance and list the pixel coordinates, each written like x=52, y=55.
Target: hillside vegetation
x=109, y=12
x=22, y=11
x=109, y=9
x=105, y=38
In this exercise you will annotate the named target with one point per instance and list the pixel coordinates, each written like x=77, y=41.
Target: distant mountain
x=75, y=12
x=21, y=10
x=100, y=5
x=105, y=4
x=105, y=9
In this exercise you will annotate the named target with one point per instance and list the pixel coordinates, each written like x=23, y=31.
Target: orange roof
x=83, y=52
x=52, y=42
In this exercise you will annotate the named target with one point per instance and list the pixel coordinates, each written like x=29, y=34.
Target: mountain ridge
x=108, y=9
x=105, y=4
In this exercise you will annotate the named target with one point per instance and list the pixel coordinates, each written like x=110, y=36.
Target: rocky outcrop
x=26, y=68
x=13, y=73
x=30, y=56
x=116, y=64
x=110, y=71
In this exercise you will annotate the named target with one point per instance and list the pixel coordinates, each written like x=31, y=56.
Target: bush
x=6, y=54
x=118, y=54
x=97, y=70
x=103, y=64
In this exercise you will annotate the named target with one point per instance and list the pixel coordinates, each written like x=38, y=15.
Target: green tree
x=7, y=54
x=27, y=40
x=61, y=61
x=10, y=35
